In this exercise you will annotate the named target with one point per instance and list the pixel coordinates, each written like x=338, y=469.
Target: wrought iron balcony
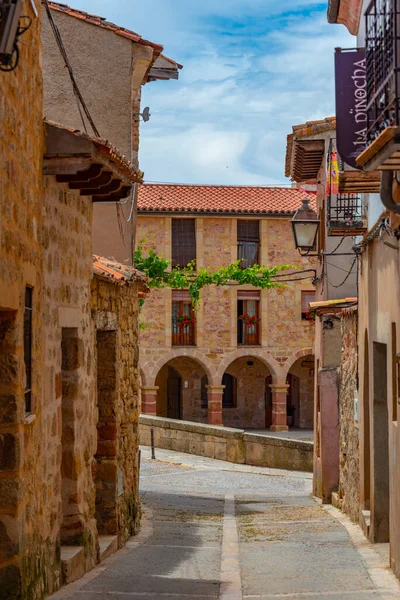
x=382, y=53
x=382, y=64
x=345, y=215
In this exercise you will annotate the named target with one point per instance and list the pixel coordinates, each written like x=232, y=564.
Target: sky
x=251, y=70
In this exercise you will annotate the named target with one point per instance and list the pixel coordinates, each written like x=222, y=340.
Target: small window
x=306, y=313
x=28, y=348
x=248, y=242
x=229, y=393
x=183, y=319
x=249, y=321
x=183, y=242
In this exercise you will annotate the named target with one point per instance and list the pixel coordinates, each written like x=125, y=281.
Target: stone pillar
x=279, y=412
x=149, y=400
x=214, y=395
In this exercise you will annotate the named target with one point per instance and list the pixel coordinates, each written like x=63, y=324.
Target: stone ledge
x=270, y=440
x=189, y=426
x=72, y=563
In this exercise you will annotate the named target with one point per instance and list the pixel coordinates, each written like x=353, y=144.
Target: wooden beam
x=65, y=165
x=123, y=193
x=113, y=186
x=102, y=179
x=94, y=170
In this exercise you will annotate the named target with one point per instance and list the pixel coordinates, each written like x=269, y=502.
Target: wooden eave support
x=307, y=159
x=359, y=182
x=384, y=152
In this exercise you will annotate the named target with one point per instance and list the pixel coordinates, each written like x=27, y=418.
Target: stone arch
x=262, y=355
x=142, y=376
x=193, y=353
x=293, y=358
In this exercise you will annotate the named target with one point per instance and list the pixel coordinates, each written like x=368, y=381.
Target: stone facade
x=284, y=336
x=22, y=555
x=349, y=476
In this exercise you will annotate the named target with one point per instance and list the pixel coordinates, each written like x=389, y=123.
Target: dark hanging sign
x=351, y=104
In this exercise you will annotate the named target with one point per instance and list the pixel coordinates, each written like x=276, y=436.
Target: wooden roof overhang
x=383, y=154
x=346, y=12
x=307, y=159
x=90, y=165
x=359, y=182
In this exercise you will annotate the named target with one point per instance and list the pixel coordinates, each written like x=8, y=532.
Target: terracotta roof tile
x=102, y=22
x=220, y=199
x=117, y=272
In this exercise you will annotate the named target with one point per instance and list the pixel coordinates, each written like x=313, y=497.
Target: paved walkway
x=214, y=530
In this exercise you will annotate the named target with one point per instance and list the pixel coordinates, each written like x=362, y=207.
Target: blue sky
x=252, y=69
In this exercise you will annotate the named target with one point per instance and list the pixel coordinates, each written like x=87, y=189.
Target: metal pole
x=153, y=454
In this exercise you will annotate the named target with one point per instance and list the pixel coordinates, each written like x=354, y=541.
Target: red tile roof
x=220, y=199
x=102, y=22
x=117, y=272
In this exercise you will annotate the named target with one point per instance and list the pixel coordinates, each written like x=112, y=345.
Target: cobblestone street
x=217, y=530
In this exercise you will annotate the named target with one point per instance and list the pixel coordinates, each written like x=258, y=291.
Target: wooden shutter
x=248, y=295
x=180, y=296
x=248, y=231
x=183, y=241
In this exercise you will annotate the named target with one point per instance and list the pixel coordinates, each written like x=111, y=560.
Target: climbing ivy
x=160, y=274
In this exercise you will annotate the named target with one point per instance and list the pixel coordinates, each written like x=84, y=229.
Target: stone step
x=72, y=563
x=108, y=545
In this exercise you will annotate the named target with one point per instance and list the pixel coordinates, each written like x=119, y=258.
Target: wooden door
x=174, y=394
x=293, y=399
x=268, y=402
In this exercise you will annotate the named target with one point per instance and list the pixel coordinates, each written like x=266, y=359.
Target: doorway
x=380, y=499
x=174, y=384
x=293, y=401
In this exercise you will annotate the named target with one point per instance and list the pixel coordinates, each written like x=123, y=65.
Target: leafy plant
x=160, y=274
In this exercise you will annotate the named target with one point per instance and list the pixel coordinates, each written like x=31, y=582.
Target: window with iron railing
x=183, y=319
x=249, y=322
x=183, y=242
x=306, y=298
x=382, y=53
x=248, y=242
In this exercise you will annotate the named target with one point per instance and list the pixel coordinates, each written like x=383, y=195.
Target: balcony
x=183, y=336
x=383, y=101
x=345, y=215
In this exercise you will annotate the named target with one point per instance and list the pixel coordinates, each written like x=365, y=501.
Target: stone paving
x=213, y=530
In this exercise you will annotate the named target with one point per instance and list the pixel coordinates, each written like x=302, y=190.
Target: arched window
x=230, y=391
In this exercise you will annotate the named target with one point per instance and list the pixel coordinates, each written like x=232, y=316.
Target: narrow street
x=217, y=530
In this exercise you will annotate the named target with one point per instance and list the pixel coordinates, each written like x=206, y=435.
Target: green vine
x=180, y=278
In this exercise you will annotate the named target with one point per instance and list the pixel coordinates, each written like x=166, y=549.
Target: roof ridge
x=209, y=185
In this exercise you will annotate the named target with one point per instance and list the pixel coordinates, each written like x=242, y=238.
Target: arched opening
x=246, y=394
x=182, y=391
x=300, y=398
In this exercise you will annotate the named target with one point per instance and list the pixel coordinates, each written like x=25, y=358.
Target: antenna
x=145, y=114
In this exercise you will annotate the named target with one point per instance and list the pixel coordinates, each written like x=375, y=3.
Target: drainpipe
x=386, y=192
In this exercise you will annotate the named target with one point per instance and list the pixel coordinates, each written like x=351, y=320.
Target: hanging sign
x=351, y=104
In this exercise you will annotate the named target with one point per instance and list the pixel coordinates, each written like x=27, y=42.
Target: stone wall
x=22, y=554
x=283, y=334
x=225, y=443
x=115, y=313
x=349, y=477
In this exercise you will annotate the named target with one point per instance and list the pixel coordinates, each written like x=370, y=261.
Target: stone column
x=214, y=395
x=149, y=400
x=279, y=412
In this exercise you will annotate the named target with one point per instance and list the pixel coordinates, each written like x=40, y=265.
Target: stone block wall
x=349, y=476
x=21, y=151
x=283, y=333
x=115, y=314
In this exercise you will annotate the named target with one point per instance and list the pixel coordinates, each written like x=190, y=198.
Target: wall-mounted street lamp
x=305, y=225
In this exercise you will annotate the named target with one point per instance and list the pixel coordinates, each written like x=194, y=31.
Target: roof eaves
x=333, y=10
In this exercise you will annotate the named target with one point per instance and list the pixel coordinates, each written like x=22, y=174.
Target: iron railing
x=248, y=336
x=345, y=212
x=182, y=336
x=382, y=53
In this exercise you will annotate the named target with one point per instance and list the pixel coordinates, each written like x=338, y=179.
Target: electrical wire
x=81, y=102
x=345, y=279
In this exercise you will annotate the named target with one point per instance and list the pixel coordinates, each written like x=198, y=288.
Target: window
x=229, y=393
x=28, y=348
x=248, y=308
x=183, y=242
x=183, y=319
x=248, y=242
x=306, y=298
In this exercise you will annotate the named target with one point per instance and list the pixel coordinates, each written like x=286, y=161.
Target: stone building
x=113, y=101
x=310, y=156
x=217, y=369
x=376, y=401
x=68, y=345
